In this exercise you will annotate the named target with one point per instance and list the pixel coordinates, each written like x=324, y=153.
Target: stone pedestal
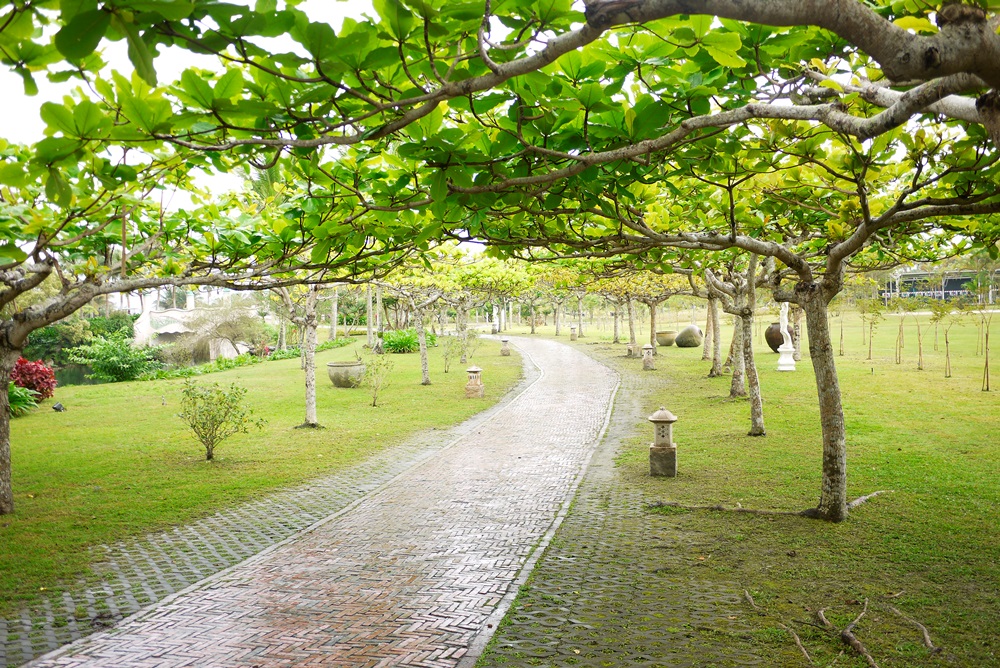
x=663, y=461
x=504, y=347
x=786, y=357
x=631, y=350
x=475, y=389
x=572, y=333
x=648, y=364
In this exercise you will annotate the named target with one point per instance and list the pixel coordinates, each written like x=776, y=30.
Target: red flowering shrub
x=34, y=376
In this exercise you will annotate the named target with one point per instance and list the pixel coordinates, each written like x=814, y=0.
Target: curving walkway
x=418, y=572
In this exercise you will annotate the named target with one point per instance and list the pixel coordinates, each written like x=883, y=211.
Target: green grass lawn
x=120, y=462
x=933, y=442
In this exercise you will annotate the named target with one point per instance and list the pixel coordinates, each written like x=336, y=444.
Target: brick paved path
x=415, y=573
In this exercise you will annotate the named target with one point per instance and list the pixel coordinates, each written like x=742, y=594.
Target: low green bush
x=114, y=359
x=405, y=340
x=21, y=399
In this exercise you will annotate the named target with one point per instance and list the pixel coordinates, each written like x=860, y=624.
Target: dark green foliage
x=294, y=351
x=118, y=322
x=405, y=340
x=52, y=343
x=115, y=359
x=21, y=399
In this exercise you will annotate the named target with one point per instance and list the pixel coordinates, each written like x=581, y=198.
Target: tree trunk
x=947, y=356
x=8, y=358
x=753, y=382
x=309, y=325
x=738, y=387
x=532, y=317
x=370, y=317
x=713, y=306
x=706, y=349
x=282, y=334
x=418, y=320
x=462, y=327
x=833, y=496
x=797, y=314
x=617, y=338
x=334, y=314
x=556, y=318
x=579, y=317
x=652, y=324
x=379, y=315
x=631, y=322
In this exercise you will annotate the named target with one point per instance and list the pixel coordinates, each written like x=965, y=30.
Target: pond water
x=74, y=374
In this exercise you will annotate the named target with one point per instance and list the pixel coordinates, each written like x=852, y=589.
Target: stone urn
x=773, y=335
x=689, y=337
x=666, y=337
x=346, y=374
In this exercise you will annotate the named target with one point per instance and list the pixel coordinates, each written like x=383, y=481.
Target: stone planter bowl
x=666, y=337
x=345, y=374
x=772, y=335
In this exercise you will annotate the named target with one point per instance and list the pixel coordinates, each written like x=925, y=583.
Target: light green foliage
x=472, y=342
x=215, y=413
x=378, y=374
x=451, y=349
x=115, y=359
x=22, y=400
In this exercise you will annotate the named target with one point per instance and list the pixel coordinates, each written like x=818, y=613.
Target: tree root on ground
x=808, y=512
x=845, y=635
x=923, y=630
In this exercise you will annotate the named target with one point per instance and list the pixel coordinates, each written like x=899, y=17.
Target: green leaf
x=58, y=117
x=229, y=85
x=57, y=190
x=439, y=186
x=14, y=174
x=916, y=24
x=138, y=53
x=83, y=33
x=724, y=47
x=10, y=251
x=395, y=16
x=171, y=10
x=30, y=86
x=701, y=25
x=197, y=88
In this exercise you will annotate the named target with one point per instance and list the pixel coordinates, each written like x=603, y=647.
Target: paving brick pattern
x=410, y=574
x=619, y=586
x=135, y=573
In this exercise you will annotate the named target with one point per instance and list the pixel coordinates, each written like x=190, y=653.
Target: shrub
x=215, y=413
x=115, y=359
x=34, y=376
x=405, y=340
x=52, y=343
x=378, y=369
x=118, y=323
x=21, y=400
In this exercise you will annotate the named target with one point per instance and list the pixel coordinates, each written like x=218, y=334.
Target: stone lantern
x=475, y=389
x=647, y=358
x=663, y=451
x=572, y=332
x=505, y=346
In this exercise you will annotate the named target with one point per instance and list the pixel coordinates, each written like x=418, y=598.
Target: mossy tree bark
x=833, y=495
